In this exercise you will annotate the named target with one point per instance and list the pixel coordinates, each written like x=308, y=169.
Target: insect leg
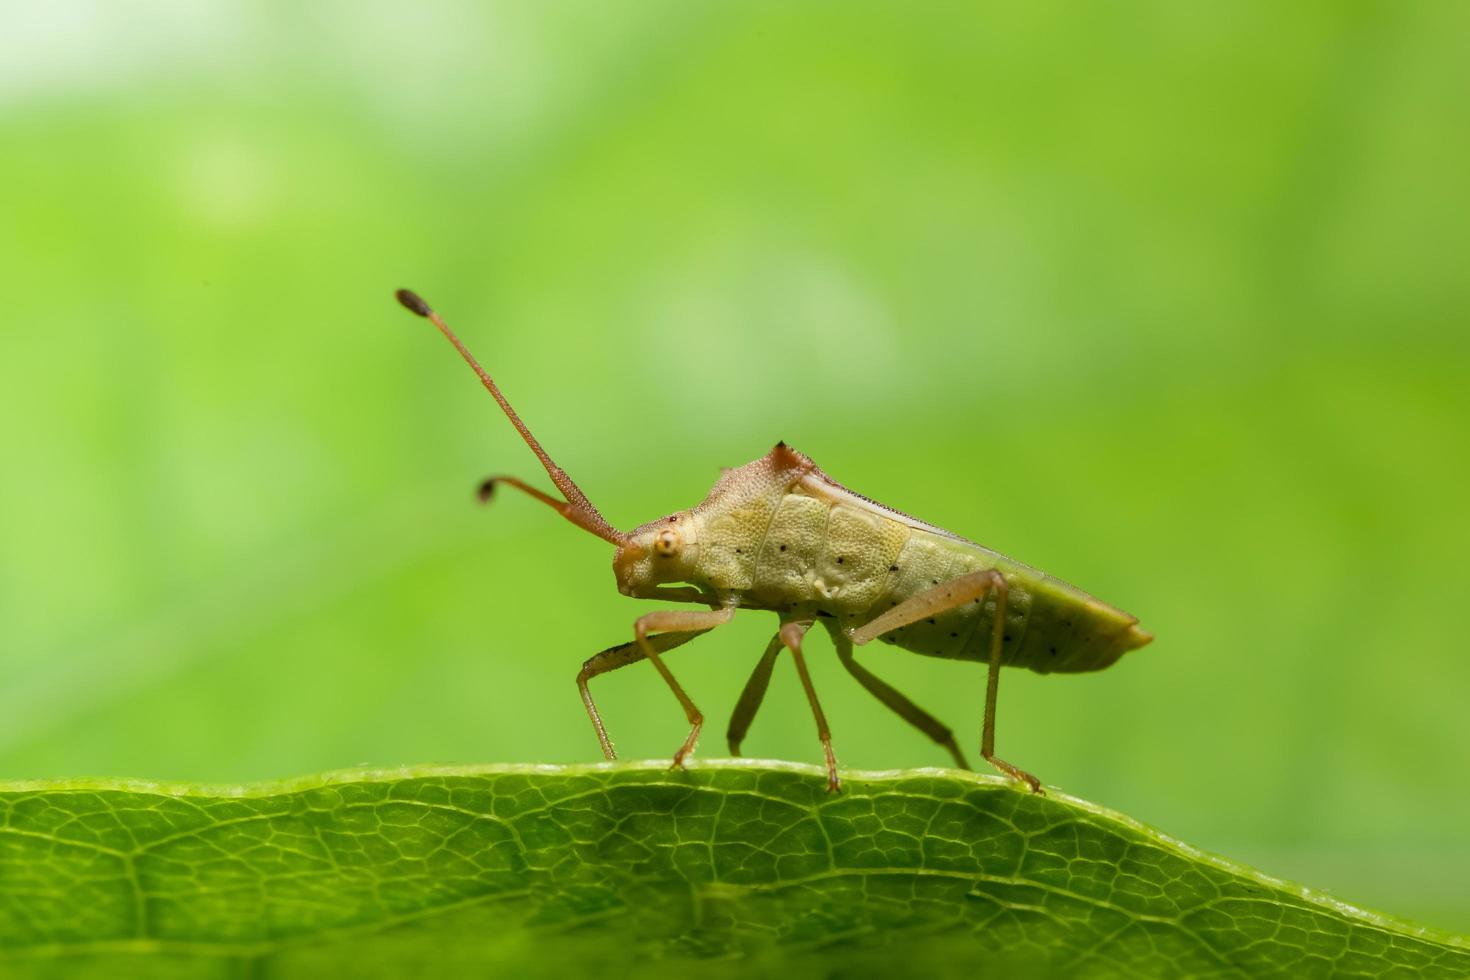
x=943, y=598
x=678, y=621
x=611, y=659
x=790, y=635
x=902, y=706
x=752, y=696
x=992, y=685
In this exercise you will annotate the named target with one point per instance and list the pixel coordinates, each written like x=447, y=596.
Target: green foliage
x=561, y=870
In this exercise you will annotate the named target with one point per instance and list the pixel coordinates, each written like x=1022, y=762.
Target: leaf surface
x=629, y=869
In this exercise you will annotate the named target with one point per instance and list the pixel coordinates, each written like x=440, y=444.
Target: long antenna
x=579, y=509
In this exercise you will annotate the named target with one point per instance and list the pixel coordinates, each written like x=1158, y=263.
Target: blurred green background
x=1168, y=300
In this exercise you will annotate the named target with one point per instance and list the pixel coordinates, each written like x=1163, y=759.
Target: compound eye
x=667, y=543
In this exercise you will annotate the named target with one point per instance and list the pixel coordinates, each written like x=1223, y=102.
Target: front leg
x=611, y=659
x=678, y=621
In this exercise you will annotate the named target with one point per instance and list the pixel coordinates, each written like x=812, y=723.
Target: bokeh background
x=1169, y=300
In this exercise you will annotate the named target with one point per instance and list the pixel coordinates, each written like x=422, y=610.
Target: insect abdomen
x=1050, y=626
x=1068, y=631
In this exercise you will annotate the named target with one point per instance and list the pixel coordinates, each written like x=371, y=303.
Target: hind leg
x=943, y=598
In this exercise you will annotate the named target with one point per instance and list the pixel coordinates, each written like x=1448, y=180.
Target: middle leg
x=897, y=702
x=790, y=635
x=752, y=696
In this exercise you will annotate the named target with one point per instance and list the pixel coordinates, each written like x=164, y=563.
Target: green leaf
x=734, y=867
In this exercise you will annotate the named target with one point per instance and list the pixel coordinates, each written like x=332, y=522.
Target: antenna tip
x=413, y=302
x=486, y=490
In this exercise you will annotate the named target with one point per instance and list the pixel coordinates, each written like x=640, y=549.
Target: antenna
x=577, y=509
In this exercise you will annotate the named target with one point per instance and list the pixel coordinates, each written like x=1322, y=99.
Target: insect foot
x=1019, y=775
x=687, y=749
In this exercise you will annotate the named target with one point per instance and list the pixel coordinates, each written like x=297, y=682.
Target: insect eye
x=666, y=544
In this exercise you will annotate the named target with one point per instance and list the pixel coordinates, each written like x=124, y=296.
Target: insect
x=778, y=534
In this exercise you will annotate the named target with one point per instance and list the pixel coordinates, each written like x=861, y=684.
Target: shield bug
x=778, y=534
